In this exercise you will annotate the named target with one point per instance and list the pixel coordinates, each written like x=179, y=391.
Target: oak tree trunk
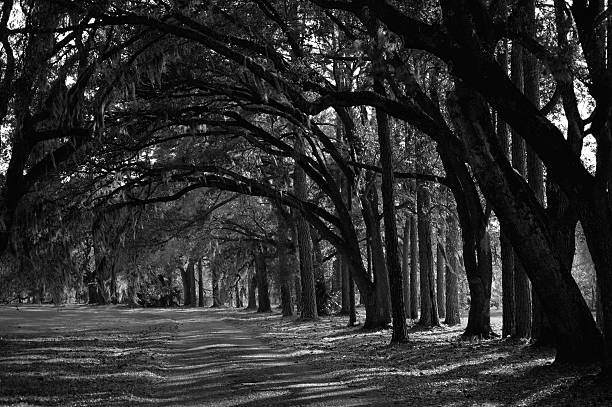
x=452, y=273
x=429, y=306
x=261, y=273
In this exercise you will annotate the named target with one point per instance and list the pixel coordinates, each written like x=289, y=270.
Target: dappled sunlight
x=214, y=357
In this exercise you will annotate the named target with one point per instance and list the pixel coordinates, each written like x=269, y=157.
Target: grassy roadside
x=435, y=368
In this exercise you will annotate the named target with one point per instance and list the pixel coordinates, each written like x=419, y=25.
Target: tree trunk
x=596, y=221
x=522, y=291
x=577, y=336
x=261, y=272
x=309, y=301
x=507, y=254
x=479, y=275
x=186, y=290
x=192, y=282
x=322, y=294
x=345, y=308
x=391, y=239
x=414, y=269
x=441, y=268
x=351, y=289
x=429, y=307
x=283, y=265
x=381, y=277
x=200, y=284
x=216, y=294
x=239, y=303
x=114, y=295
x=252, y=282
x=406, y=267
x=452, y=273
x=508, y=303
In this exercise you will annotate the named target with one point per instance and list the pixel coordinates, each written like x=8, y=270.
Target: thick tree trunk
x=309, y=301
x=252, y=289
x=381, y=277
x=429, y=307
x=406, y=267
x=337, y=275
x=517, y=209
x=186, y=290
x=261, y=272
x=452, y=273
x=322, y=294
x=479, y=270
x=596, y=220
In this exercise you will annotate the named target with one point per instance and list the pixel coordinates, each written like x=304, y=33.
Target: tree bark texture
x=391, y=238
x=429, y=311
x=452, y=273
x=283, y=265
x=406, y=267
x=261, y=272
x=441, y=268
x=309, y=301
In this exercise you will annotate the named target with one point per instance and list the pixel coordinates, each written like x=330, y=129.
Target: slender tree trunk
x=351, y=288
x=441, y=268
x=414, y=269
x=113, y=285
x=507, y=254
x=429, y=311
x=192, y=281
x=391, y=239
x=452, y=273
x=298, y=294
x=216, y=293
x=345, y=308
x=261, y=272
x=522, y=291
x=406, y=267
x=283, y=266
x=200, y=284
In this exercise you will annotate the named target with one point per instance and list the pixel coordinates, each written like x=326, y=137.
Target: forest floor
x=115, y=356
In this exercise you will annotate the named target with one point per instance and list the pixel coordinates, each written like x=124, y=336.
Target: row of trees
x=334, y=111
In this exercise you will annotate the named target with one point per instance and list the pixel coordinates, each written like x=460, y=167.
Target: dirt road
x=103, y=356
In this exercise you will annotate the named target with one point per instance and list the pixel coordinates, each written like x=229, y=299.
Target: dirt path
x=211, y=362
x=86, y=356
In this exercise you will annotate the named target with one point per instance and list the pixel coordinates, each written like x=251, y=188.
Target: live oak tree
x=259, y=88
